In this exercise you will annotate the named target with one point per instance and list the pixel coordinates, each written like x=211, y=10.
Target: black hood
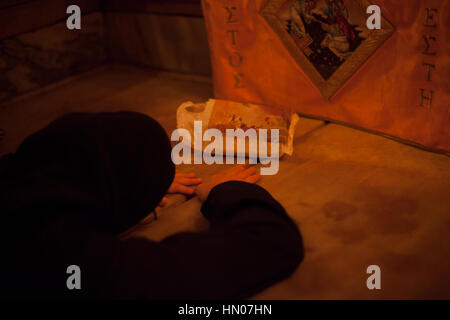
x=113, y=167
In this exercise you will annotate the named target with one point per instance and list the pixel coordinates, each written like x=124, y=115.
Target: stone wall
x=35, y=59
x=36, y=48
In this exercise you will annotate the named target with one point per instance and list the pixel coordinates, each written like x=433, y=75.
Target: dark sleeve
x=6, y=162
x=252, y=244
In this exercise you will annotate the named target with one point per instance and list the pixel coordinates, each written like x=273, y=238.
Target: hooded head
x=113, y=167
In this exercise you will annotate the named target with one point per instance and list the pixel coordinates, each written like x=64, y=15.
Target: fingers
x=188, y=181
x=249, y=175
x=179, y=188
x=163, y=202
x=247, y=172
x=243, y=174
x=236, y=170
x=253, y=179
x=182, y=181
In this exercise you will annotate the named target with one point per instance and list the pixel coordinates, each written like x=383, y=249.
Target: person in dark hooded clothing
x=71, y=188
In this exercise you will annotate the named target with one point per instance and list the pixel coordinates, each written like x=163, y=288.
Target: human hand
x=182, y=183
x=239, y=173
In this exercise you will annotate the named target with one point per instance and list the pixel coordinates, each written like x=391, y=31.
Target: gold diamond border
x=329, y=87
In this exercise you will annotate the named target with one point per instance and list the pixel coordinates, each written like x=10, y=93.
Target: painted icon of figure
x=301, y=9
x=340, y=34
x=337, y=13
x=322, y=31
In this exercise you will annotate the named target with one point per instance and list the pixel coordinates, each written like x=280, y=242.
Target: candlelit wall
x=38, y=49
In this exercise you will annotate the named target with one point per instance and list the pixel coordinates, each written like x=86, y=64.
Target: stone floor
x=358, y=198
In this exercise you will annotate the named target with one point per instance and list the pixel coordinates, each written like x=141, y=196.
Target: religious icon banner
x=324, y=58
